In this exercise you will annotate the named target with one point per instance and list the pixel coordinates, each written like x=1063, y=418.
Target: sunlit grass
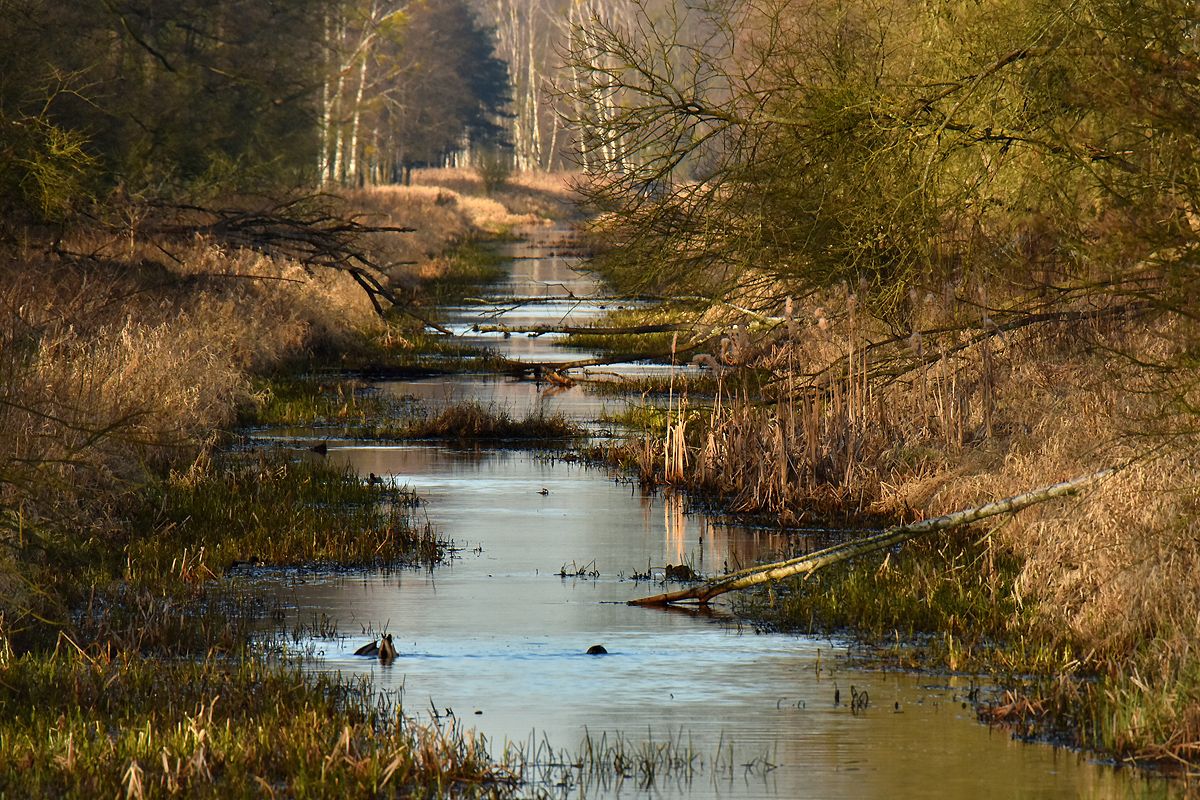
x=81, y=726
x=278, y=511
x=289, y=401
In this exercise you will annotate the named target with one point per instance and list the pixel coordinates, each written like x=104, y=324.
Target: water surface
x=500, y=632
x=497, y=638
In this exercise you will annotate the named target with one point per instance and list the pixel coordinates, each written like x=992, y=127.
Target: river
x=496, y=639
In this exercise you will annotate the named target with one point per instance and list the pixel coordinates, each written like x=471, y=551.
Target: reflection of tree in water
x=675, y=523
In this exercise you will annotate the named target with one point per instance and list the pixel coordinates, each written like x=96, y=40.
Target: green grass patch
x=276, y=511
x=142, y=675
x=945, y=602
x=300, y=401
x=151, y=581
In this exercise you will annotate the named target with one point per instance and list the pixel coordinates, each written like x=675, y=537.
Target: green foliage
x=893, y=146
x=45, y=171
x=154, y=97
x=494, y=166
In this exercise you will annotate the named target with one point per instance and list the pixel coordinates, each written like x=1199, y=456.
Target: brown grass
x=526, y=198
x=447, y=207
x=930, y=426
x=114, y=368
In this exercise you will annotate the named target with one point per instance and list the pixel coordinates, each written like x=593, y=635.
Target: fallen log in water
x=596, y=330
x=807, y=564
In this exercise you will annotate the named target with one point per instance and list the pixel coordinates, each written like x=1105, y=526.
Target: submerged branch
x=807, y=564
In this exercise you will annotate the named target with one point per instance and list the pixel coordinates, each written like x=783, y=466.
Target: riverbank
x=167, y=510
x=126, y=361
x=817, y=411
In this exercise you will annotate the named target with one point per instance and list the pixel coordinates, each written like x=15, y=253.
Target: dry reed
x=114, y=369
x=849, y=429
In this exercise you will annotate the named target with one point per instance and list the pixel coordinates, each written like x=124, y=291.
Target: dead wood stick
x=538, y=330
x=807, y=564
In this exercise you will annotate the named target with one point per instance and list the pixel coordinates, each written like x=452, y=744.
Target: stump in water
x=681, y=572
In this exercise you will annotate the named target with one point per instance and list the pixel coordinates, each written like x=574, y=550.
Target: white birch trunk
x=352, y=150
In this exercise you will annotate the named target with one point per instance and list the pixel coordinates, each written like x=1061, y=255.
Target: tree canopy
x=894, y=146
x=168, y=96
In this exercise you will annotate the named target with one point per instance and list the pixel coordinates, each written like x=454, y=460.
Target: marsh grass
x=308, y=401
x=474, y=421
x=273, y=510
x=950, y=601
x=615, y=763
x=833, y=425
x=84, y=726
x=345, y=408
x=129, y=544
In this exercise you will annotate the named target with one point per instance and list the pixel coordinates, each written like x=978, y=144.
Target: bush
x=494, y=168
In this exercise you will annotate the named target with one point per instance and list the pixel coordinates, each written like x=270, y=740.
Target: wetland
x=548, y=552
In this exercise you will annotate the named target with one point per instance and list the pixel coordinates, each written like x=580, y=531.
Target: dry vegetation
x=122, y=352
x=119, y=363
x=124, y=356
x=449, y=206
x=852, y=422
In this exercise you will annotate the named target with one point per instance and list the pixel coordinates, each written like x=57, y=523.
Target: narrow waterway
x=549, y=553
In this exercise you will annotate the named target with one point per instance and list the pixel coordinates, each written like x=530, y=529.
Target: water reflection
x=498, y=638
x=518, y=397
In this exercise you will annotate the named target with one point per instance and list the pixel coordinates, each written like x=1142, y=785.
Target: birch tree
x=352, y=33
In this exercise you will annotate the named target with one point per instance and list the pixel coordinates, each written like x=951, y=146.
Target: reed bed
x=860, y=426
x=114, y=371
x=474, y=421
x=345, y=409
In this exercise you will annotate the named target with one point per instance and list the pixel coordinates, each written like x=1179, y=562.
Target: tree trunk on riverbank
x=807, y=564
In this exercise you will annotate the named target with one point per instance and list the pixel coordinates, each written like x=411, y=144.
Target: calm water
x=498, y=636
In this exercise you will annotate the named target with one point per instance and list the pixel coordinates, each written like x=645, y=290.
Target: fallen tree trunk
x=599, y=330
x=807, y=564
